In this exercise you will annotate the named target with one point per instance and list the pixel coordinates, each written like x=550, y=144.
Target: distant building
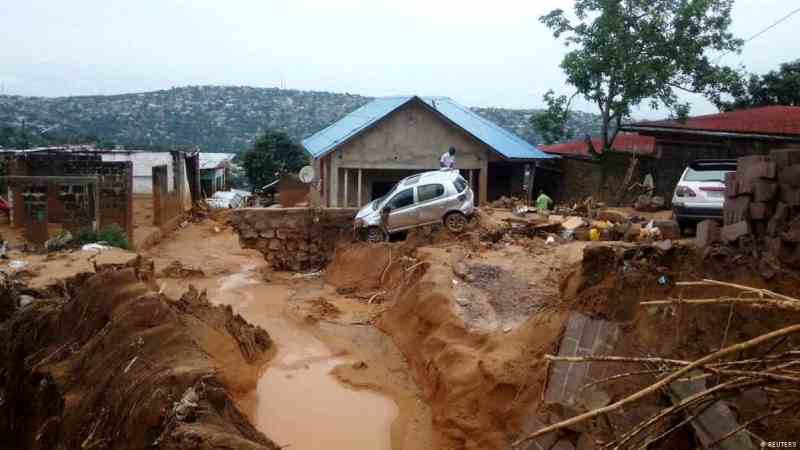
x=215, y=172
x=664, y=148
x=364, y=154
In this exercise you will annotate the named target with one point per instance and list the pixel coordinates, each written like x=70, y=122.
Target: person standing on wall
x=448, y=159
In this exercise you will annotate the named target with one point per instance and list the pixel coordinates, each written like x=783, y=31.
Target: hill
x=215, y=118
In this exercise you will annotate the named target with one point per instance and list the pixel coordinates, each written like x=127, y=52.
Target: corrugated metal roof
x=505, y=143
x=213, y=160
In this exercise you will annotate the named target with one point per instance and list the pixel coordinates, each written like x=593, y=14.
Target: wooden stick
x=759, y=291
x=754, y=302
x=752, y=421
x=685, y=403
x=663, y=382
x=693, y=399
x=622, y=359
x=690, y=418
x=620, y=376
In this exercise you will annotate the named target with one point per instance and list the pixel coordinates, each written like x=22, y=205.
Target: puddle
x=298, y=403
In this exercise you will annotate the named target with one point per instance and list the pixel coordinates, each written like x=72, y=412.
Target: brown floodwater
x=298, y=403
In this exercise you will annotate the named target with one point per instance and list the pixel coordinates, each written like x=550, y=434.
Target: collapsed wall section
x=294, y=238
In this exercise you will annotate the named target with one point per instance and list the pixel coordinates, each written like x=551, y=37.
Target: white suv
x=700, y=193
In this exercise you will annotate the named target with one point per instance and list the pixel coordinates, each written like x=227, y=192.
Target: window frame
x=440, y=194
x=390, y=203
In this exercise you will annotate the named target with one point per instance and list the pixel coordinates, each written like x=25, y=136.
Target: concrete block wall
x=297, y=239
x=583, y=336
x=76, y=205
x=166, y=203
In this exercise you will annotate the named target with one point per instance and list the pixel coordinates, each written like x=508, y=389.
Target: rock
x=708, y=232
x=669, y=229
x=611, y=215
x=731, y=233
x=25, y=300
x=664, y=245
x=573, y=222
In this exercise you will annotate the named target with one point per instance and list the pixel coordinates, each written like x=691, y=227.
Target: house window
x=402, y=199
x=429, y=192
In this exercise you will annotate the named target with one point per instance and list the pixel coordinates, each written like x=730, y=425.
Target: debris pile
x=713, y=392
x=762, y=207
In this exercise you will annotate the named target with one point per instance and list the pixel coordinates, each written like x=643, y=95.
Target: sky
x=481, y=53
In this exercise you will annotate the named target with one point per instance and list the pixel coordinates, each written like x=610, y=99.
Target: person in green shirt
x=543, y=201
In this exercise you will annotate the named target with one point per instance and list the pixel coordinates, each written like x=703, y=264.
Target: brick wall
x=295, y=239
x=599, y=178
x=74, y=202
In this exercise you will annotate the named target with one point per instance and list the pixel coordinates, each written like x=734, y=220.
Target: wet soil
x=335, y=382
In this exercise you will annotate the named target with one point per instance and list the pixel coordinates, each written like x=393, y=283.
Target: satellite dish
x=306, y=174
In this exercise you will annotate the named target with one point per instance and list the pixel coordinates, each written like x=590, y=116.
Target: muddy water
x=297, y=401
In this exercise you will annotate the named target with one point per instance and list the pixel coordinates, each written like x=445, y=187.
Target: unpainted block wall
x=166, y=203
x=295, y=239
x=600, y=178
x=75, y=201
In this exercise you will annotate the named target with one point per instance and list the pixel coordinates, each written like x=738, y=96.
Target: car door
x=402, y=211
x=432, y=203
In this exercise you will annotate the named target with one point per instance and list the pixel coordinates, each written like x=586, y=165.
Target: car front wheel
x=375, y=234
x=455, y=222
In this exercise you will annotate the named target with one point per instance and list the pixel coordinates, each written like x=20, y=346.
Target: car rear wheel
x=375, y=234
x=455, y=222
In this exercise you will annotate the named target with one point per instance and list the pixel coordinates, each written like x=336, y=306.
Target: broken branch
x=663, y=382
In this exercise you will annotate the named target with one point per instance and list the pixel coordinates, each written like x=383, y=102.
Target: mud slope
x=481, y=385
x=119, y=367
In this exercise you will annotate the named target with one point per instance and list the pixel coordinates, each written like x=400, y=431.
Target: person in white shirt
x=448, y=159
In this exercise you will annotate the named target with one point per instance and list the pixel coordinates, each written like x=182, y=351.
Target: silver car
x=421, y=199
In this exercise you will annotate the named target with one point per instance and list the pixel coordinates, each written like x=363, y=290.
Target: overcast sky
x=481, y=53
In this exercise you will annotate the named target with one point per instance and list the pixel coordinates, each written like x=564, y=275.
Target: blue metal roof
x=502, y=141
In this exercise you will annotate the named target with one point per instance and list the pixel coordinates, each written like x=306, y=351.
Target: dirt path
x=332, y=384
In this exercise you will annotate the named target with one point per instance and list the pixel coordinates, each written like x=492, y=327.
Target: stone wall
x=298, y=239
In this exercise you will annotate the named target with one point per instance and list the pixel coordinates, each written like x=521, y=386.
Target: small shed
x=215, y=172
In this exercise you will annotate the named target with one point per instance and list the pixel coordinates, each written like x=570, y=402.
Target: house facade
x=364, y=154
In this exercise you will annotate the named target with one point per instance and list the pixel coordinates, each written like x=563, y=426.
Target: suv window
x=460, y=184
x=706, y=175
x=429, y=192
x=403, y=198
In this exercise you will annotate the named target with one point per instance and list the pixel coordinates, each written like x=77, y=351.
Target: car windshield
x=375, y=203
x=716, y=174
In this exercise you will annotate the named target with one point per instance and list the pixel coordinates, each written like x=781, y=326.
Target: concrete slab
x=715, y=422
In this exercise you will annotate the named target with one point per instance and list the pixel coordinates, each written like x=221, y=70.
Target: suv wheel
x=455, y=222
x=375, y=234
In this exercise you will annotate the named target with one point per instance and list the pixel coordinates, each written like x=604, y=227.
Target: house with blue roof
x=361, y=156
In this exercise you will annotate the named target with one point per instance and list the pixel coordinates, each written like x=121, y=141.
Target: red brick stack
x=762, y=204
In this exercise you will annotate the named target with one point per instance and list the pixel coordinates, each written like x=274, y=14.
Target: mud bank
x=480, y=383
x=110, y=363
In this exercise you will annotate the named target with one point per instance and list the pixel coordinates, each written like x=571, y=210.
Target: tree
x=778, y=87
x=272, y=154
x=552, y=124
x=626, y=52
